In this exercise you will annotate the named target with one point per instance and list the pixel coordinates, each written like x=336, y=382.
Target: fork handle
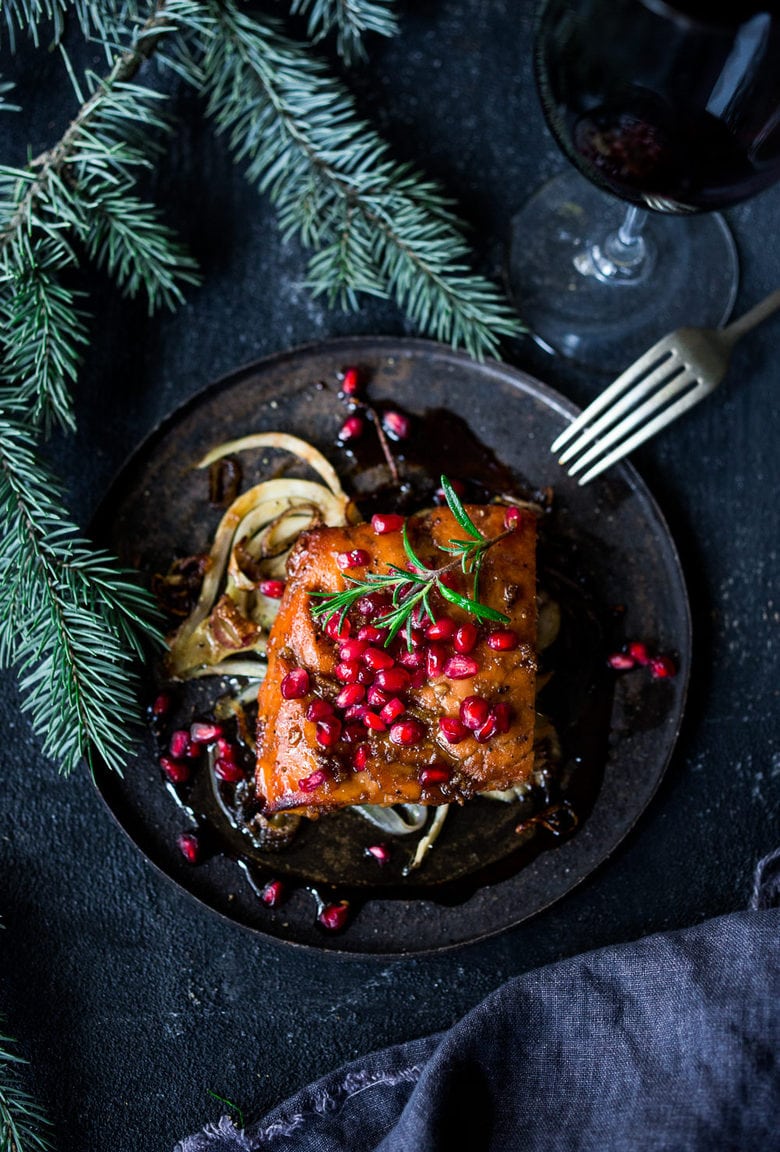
x=754, y=316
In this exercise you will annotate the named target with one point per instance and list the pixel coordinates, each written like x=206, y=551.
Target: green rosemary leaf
x=458, y=511
x=410, y=552
x=481, y=611
x=413, y=577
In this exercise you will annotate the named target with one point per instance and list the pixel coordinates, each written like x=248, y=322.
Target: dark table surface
x=133, y=1002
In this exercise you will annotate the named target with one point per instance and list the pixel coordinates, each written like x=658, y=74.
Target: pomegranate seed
x=443, y=629
x=319, y=709
x=460, y=668
x=452, y=729
x=350, y=383
x=334, y=916
x=384, y=522
x=273, y=589
x=638, y=651
x=228, y=770
x=360, y=759
x=365, y=676
x=435, y=661
x=377, y=659
x=392, y=710
x=370, y=605
x=513, y=518
x=435, y=774
x=225, y=748
x=662, y=667
x=355, y=711
x=313, y=781
x=396, y=424
x=295, y=684
x=347, y=671
x=202, y=733
x=376, y=697
x=487, y=730
x=503, y=715
x=415, y=659
x=449, y=580
x=189, y=846
x=503, y=640
x=357, y=558
x=338, y=629
x=372, y=635
x=465, y=638
x=161, y=705
x=407, y=733
x=621, y=661
x=177, y=771
x=272, y=893
x=352, y=649
x=474, y=711
x=419, y=677
x=179, y=744
x=352, y=429
x=327, y=731
x=392, y=679
x=379, y=852
x=373, y=722
x=350, y=694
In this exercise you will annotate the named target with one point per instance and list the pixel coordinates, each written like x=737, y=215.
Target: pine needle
x=23, y=1125
x=350, y=19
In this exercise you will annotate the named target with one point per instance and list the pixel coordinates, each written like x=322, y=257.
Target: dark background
x=130, y=1000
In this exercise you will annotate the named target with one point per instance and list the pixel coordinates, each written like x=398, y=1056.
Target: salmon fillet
x=408, y=737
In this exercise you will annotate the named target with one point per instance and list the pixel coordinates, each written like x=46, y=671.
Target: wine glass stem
x=622, y=257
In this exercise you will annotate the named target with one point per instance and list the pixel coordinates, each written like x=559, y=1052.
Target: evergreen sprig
x=70, y=618
x=376, y=225
x=23, y=1125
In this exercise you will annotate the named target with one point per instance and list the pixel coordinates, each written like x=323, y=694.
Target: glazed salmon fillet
x=344, y=719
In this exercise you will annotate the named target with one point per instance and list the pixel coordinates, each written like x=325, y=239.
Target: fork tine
x=666, y=370
x=692, y=397
x=639, y=368
x=636, y=418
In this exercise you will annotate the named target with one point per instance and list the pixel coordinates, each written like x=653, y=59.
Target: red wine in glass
x=673, y=108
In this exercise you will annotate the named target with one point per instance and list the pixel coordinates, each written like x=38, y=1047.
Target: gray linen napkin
x=668, y=1043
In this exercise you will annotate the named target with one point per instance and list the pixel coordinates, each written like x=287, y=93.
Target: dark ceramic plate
x=617, y=573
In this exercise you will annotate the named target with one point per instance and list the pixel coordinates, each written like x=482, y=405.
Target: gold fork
x=676, y=373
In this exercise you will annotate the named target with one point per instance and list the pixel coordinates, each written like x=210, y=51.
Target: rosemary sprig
x=411, y=589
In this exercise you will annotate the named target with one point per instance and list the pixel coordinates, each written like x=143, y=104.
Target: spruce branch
x=23, y=1125
x=43, y=331
x=376, y=225
x=70, y=618
x=82, y=188
x=351, y=20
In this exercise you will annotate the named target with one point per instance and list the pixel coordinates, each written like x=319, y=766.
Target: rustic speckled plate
x=607, y=545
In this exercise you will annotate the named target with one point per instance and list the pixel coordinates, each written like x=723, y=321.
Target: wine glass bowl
x=674, y=109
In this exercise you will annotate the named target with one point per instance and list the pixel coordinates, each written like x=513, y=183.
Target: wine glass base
x=570, y=307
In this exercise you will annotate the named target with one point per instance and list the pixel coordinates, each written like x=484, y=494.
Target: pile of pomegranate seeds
x=636, y=654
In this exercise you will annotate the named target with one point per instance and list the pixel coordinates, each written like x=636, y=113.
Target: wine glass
x=673, y=107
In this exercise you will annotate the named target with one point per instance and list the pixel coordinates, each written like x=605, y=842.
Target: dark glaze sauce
x=486, y=840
